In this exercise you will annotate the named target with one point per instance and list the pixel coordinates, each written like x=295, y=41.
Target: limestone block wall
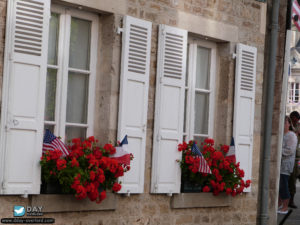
x=226, y=22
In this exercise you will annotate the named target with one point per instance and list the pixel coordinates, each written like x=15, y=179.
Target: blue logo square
x=19, y=210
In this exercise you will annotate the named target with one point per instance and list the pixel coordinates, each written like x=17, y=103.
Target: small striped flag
x=203, y=166
x=122, y=155
x=51, y=142
x=231, y=153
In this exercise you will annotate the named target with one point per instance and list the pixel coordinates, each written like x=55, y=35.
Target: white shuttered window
x=133, y=102
x=244, y=104
x=71, y=72
x=23, y=94
x=169, y=109
x=199, y=90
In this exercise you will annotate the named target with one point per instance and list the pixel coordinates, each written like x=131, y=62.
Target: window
x=72, y=53
x=293, y=92
x=199, y=91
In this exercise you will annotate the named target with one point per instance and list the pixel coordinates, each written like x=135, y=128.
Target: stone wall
x=278, y=110
x=2, y=36
x=225, y=21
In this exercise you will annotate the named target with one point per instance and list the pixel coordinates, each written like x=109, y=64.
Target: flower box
x=188, y=187
x=210, y=169
x=87, y=171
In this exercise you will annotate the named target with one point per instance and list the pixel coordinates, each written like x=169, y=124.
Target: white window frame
x=188, y=133
x=65, y=15
x=292, y=92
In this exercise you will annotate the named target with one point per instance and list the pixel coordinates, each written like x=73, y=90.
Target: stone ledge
x=68, y=203
x=199, y=200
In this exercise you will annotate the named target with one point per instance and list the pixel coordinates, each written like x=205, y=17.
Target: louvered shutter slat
x=24, y=95
x=244, y=103
x=169, y=109
x=133, y=101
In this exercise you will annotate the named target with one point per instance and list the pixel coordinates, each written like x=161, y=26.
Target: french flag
x=231, y=153
x=122, y=155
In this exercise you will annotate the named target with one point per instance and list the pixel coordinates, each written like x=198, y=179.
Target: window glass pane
x=185, y=111
x=50, y=95
x=187, y=65
x=49, y=127
x=75, y=132
x=201, y=113
x=80, y=44
x=77, y=99
x=202, y=68
x=53, y=39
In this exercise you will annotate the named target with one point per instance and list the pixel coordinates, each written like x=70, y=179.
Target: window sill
x=199, y=200
x=68, y=203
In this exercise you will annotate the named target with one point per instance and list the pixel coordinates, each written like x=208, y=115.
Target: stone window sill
x=199, y=200
x=68, y=203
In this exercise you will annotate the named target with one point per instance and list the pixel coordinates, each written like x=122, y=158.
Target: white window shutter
x=24, y=95
x=244, y=104
x=169, y=109
x=133, y=100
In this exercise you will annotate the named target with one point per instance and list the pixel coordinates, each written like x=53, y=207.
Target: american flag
x=122, y=155
x=51, y=142
x=203, y=166
x=296, y=14
x=231, y=153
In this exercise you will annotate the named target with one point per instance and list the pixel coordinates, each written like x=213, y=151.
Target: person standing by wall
x=289, y=145
x=294, y=116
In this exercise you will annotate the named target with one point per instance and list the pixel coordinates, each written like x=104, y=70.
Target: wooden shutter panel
x=135, y=63
x=169, y=109
x=24, y=95
x=244, y=104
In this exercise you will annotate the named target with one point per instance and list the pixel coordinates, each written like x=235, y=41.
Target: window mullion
x=213, y=63
x=59, y=73
x=65, y=74
x=192, y=91
x=293, y=92
x=92, y=77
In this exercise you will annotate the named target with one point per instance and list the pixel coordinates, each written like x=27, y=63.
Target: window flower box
x=86, y=172
x=223, y=173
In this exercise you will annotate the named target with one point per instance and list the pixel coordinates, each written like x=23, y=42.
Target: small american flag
x=51, y=142
x=203, y=166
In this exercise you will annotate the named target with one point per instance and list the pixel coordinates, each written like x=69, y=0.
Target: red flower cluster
x=87, y=171
x=226, y=175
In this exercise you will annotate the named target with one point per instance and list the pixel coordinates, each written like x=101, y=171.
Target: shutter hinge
x=119, y=30
x=10, y=56
x=3, y=185
x=233, y=55
x=170, y=193
x=158, y=137
x=128, y=193
x=155, y=187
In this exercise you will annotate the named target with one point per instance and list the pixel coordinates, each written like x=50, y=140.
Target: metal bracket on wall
x=119, y=30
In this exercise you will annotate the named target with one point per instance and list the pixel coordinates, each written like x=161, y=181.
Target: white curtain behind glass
x=201, y=98
x=80, y=44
